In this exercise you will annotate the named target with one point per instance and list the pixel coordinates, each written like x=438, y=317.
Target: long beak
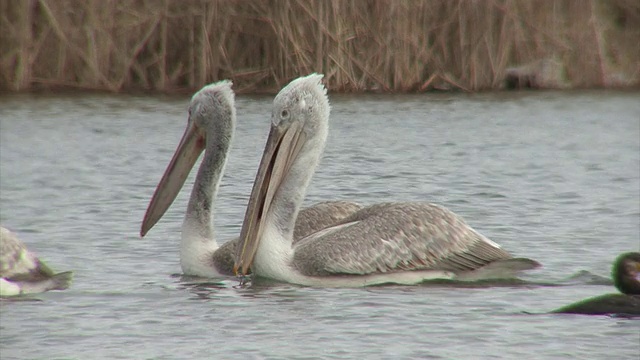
x=283, y=145
x=188, y=151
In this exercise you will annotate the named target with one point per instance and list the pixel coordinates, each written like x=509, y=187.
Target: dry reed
x=360, y=45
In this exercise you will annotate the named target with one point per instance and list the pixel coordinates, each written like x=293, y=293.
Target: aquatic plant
x=375, y=45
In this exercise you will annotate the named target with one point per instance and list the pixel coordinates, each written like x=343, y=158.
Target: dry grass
x=360, y=45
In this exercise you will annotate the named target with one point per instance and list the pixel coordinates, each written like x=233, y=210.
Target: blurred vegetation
x=360, y=45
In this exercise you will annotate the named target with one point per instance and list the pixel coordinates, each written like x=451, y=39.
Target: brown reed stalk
x=23, y=61
x=360, y=45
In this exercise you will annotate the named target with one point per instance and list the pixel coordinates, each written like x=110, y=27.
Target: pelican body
x=210, y=128
x=402, y=242
x=21, y=272
x=625, y=272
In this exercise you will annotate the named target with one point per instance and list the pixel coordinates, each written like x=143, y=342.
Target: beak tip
x=235, y=270
x=240, y=270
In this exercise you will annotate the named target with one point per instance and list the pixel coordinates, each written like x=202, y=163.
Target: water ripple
x=551, y=176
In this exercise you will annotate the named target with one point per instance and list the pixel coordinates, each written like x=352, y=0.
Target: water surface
x=554, y=176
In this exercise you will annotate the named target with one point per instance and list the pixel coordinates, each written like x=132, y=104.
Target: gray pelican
x=404, y=243
x=21, y=272
x=210, y=128
x=625, y=272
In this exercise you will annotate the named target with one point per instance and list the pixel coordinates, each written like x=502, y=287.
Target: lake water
x=554, y=176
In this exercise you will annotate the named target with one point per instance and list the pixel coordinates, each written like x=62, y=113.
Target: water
x=554, y=176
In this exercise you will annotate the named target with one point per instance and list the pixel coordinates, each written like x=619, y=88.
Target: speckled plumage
x=403, y=243
x=397, y=237
x=309, y=221
x=321, y=215
x=22, y=270
x=211, y=127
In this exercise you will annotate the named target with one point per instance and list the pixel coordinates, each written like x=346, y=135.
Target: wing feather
x=309, y=220
x=396, y=237
x=321, y=215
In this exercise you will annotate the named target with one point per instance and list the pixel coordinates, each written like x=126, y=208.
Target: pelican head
x=210, y=126
x=299, y=127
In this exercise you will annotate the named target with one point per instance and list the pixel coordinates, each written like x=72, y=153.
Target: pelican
x=210, y=128
x=21, y=272
x=402, y=242
x=625, y=272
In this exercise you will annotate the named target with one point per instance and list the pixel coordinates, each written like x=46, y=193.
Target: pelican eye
x=284, y=114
